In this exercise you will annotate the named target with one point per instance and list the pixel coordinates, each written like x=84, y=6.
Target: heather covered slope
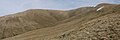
x=91, y=25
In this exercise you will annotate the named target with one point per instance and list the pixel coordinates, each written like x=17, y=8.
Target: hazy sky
x=13, y=6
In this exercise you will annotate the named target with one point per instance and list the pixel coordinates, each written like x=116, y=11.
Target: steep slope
x=67, y=31
x=29, y=20
x=103, y=28
x=87, y=12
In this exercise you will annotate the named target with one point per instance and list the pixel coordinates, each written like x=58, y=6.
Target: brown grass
x=75, y=24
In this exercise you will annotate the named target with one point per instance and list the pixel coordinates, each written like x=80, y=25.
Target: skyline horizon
x=10, y=7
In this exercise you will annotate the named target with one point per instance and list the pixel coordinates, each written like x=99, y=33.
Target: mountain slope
x=80, y=27
x=89, y=13
x=103, y=28
x=29, y=20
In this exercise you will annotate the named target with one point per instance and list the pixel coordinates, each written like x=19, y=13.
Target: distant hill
x=32, y=19
x=84, y=23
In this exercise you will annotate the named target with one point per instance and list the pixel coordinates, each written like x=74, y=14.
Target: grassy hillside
x=29, y=20
x=103, y=28
x=79, y=25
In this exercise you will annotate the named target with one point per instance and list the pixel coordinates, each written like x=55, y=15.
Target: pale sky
x=14, y=6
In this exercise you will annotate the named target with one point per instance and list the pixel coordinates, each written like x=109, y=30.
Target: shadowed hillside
x=79, y=24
